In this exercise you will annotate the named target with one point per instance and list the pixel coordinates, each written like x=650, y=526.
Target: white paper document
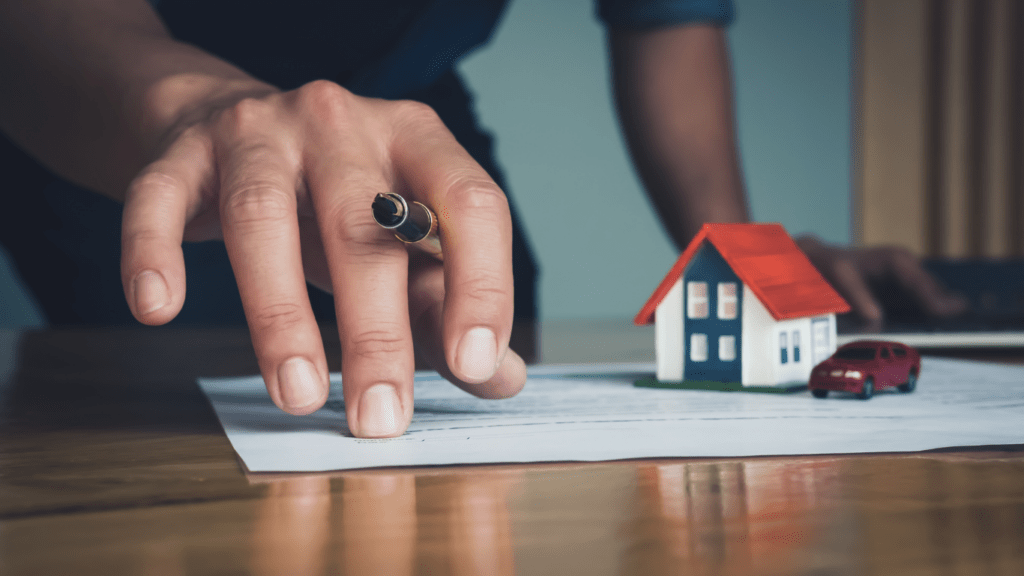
x=593, y=412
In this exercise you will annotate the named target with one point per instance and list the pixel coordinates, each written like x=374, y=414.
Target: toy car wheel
x=910, y=384
x=868, y=390
x=819, y=393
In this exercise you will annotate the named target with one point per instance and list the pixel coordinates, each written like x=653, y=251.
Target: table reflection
x=756, y=517
x=396, y=523
x=377, y=522
x=949, y=511
x=292, y=528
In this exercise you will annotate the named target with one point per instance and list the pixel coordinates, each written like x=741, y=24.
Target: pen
x=413, y=224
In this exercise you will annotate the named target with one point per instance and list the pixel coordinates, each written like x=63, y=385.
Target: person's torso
x=384, y=48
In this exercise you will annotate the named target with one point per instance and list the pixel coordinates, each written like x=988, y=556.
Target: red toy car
x=865, y=366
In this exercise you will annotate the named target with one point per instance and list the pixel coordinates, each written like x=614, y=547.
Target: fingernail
x=380, y=412
x=298, y=383
x=151, y=293
x=477, y=355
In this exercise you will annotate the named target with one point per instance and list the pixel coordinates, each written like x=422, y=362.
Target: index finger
x=846, y=278
x=476, y=235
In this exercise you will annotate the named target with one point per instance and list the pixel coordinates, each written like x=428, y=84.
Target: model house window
x=726, y=348
x=796, y=346
x=783, y=347
x=696, y=299
x=699, y=347
x=727, y=300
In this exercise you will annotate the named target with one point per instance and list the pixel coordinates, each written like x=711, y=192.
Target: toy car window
x=899, y=352
x=855, y=354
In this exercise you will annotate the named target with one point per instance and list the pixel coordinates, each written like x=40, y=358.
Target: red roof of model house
x=766, y=259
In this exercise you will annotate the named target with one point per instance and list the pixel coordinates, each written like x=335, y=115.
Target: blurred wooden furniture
x=112, y=462
x=940, y=126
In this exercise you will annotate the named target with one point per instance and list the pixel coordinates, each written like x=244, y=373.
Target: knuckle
x=247, y=116
x=257, y=203
x=155, y=182
x=139, y=238
x=417, y=121
x=352, y=223
x=356, y=227
x=484, y=288
x=475, y=193
x=279, y=317
x=326, y=101
x=358, y=186
x=415, y=112
x=363, y=241
x=377, y=344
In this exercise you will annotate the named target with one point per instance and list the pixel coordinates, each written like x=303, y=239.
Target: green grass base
x=651, y=382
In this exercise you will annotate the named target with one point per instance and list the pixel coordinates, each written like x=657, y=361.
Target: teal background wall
x=16, y=307
x=542, y=87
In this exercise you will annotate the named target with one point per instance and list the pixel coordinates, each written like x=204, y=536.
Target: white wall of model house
x=668, y=335
x=763, y=339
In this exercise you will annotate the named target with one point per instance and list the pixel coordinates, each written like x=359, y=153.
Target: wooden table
x=112, y=462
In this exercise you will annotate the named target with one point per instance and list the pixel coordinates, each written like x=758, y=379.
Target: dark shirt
x=65, y=241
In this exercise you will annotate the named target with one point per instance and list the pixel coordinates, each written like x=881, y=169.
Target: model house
x=743, y=304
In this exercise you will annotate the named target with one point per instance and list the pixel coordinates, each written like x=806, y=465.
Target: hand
x=287, y=179
x=862, y=274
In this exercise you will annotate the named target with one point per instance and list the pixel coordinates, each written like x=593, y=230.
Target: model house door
x=820, y=340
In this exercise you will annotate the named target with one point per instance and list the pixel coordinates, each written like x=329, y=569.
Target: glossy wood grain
x=112, y=462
